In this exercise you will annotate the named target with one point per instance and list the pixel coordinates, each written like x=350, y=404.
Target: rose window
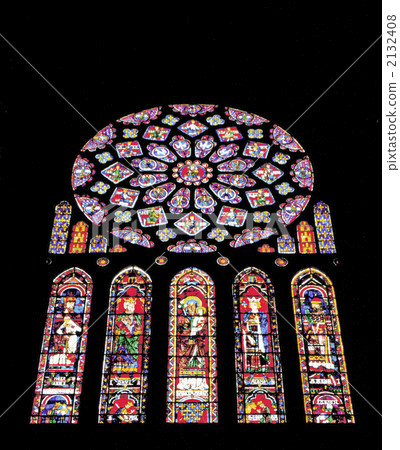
x=192, y=176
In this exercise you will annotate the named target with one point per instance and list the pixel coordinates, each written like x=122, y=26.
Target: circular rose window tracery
x=190, y=176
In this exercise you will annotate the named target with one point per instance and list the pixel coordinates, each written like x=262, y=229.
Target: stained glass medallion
x=200, y=160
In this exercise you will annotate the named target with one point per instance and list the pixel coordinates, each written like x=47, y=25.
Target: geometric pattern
x=323, y=226
x=59, y=233
x=195, y=145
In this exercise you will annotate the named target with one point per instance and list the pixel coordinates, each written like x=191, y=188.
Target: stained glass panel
x=260, y=396
x=62, y=360
x=323, y=226
x=126, y=354
x=59, y=233
x=79, y=236
x=322, y=363
x=305, y=237
x=286, y=244
x=192, y=352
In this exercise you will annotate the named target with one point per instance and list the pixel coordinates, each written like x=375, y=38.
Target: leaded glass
x=286, y=244
x=260, y=396
x=322, y=363
x=192, y=353
x=126, y=354
x=79, y=237
x=178, y=165
x=62, y=360
x=305, y=237
x=59, y=233
x=323, y=226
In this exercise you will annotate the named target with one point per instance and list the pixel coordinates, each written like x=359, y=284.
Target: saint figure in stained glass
x=192, y=362
x=325, y=383
x=260, y=397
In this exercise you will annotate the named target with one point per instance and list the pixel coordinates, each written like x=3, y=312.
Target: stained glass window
x=126, y=354
x=286, y=244
x=260, y=397
x=323, y=226
x=305, y=237
x=172, y=168
x=98, y=244
x=59, y=233
x=62, y=360
x=79, y=236
x=322, y=363
x=192, y=352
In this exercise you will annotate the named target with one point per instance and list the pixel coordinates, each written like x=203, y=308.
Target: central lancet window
x=192, y=352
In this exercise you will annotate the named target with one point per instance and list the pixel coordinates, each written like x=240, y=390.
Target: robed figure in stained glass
x=192, y=386
x=326, y=389
x=192, y=330
x=125, y=367
x=260, y=397
x=128, y=329
x=255, y=328
x=59, y=381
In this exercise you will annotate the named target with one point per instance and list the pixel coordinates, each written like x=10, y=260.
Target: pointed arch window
x=192, y=352
x=260, y=396
x=126, y=354
x=322, y=363
x=62, y=360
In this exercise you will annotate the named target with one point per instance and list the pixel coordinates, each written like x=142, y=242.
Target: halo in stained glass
x=199, y=160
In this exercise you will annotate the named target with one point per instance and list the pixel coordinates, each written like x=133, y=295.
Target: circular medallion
x=281, y=262
x=161, y=260
x=192, y=172
x=103, y=261
x=223, y=261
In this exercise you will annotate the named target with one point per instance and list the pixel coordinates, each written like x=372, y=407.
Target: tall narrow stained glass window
x=323, y=226
x=192, y=353
x=126, y=355
x=260, y=397
x=305, y=237
x=59, y=232
x=323, y=369
x=79, y=236
x=62, y=360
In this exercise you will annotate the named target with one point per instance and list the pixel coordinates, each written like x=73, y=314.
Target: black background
x=271, y=60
